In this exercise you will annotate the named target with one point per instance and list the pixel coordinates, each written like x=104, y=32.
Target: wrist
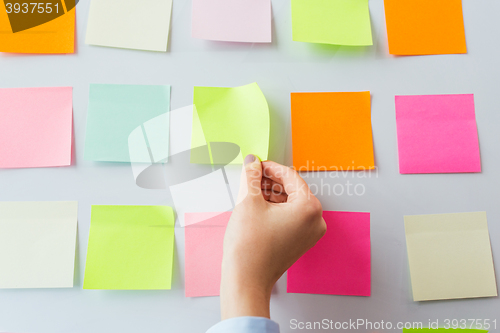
x=242, y=296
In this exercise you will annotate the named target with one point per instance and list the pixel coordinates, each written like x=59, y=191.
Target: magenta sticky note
x=204, y=237
x=232, y=20
x=340, y=263
x=437, y=134
x=35, y=127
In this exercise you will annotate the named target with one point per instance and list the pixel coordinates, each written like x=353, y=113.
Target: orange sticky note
x=332, y=131
x=54, y=37
x=422, y=27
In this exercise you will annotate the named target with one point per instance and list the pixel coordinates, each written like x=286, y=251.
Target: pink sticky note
x=203, y=254
x=232, y=20
x=340, y=263
x=35, y=127
x=437, y=134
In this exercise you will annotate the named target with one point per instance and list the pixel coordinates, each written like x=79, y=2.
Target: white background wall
x=279, y=68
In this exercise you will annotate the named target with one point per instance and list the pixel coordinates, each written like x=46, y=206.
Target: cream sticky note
x=450, y=256
x=232, y=20
x=130, y=248
x=37, y=244
x=35, y=127
x=340, y=263
x=437, y=134
x=130, y=24
x=204, y=238
x=339, y=22
x=234, y=115
x=57, y=36
x=115, y=111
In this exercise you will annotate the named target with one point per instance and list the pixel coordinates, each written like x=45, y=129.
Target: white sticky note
x=205, y=194
x=130, y=24
x=37, y=244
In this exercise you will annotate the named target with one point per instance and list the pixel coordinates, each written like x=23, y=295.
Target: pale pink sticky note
x=204, y=236
x=232, y=20
x=35, y=127
x=340, y=263
x=437, y=134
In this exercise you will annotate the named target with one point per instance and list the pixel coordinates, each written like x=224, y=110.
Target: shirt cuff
x=246, y=325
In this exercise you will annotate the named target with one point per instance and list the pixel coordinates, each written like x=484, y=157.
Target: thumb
x=251, y=178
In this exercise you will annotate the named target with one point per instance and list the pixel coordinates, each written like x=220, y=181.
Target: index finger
x=294, y=185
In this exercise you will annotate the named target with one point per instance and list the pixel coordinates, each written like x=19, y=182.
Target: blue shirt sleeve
x=246, y=325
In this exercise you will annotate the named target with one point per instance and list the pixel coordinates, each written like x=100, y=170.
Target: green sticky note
x=234, y=115
x=441, y=330
x=339, y=22
x=114, y=112
x=130, y=248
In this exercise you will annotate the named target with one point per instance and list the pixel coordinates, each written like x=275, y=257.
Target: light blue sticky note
x=115, y=111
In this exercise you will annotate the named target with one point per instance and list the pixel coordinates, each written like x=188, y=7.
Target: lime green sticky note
x=339, y=22
x=115, y=111
x=130, y=248
x=233, y=115
x=441, y=330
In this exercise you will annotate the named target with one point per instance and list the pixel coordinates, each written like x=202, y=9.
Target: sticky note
x=35, y=127
x=130, y=248
x=437, y=134
x=340, y=263
x=232, y=21
x=332, y=131
x=235, y=115
x=208, y=193
x=53, y=37
x=115, y=111
x=422, y=27
x=130, y=24
x=339, y=22
x=450, y=256
x=37, y=244
x=204, y=238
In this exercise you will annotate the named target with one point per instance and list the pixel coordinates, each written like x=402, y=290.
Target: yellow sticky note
x=450, y=256
x=54, y=37
x=130, y=248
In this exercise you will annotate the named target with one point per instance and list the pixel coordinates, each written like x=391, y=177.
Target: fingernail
x=249, y=159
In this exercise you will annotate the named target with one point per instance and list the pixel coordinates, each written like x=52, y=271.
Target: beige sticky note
x=130, y=24
x=37, y=244
x=450, y=256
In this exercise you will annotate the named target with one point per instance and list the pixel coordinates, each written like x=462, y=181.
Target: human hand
x=275, y=222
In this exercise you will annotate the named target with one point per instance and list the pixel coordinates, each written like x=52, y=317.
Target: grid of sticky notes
x=340, y=263
x=130, y=24
x=37, y=244
x=450, y=256
x=232, y=21
x=130, y=248
x=339, y=22
x=332, y=131
x=437, y=134
x=36, y=126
